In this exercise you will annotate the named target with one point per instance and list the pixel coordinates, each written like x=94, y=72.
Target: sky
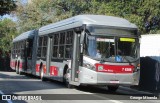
x=13, y=17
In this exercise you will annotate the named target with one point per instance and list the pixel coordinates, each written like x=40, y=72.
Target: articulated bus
x=82, y=50
x=23, y=53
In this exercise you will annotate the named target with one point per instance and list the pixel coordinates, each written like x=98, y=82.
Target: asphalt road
x=56, y=92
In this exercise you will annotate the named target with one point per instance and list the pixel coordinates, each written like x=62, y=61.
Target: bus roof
x=25, y=35
x=79, y=20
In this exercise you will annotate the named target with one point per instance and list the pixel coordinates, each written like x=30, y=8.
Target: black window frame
x=70, y=44
x=55, y=44
x=42, y=46
x=61, y=53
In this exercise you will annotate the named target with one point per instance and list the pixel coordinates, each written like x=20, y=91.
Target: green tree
x=144, y=13
x=7, y=32
x=6, y=6
x=34, y=15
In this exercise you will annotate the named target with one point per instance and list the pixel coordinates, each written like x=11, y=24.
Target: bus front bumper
x=90, y=77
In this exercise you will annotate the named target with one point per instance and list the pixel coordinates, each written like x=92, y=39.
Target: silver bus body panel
x=77, y=21
x=25, y=35
x=59, y=67
x=38, y=62
x=90, y=77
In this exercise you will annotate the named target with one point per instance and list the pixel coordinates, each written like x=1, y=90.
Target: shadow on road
x=120, y=94
x=11, y=84
x=25, y=83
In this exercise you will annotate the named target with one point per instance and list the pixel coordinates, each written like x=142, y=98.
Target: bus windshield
x=113, y=49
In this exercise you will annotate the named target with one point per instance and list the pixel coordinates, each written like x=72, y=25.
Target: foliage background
x=36, y=13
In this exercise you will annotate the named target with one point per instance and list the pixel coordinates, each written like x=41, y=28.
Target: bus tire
x=17, y=68
x=17, y=71
x=20, y=73
x=66, y=81
x=42, y=75
x=112, y=88
x=70, y=86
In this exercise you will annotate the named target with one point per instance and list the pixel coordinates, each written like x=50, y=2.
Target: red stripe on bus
x=12, y=63
x=20, y=65
x=37, y=67
x=44, y=69
x=53, y=70
x=114, y=68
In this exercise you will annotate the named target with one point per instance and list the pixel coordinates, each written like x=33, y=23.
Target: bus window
x=92, y=46
x=44, y=46
x=68, y=51
x=55, y=51
x=61, y=51
x=127, y=47
x=29, y=47
x=69, y=37
x=62, y=38
x=61, y=45
x=68, y=44
x=56, y=39
x=22, y=49
x=100, y=47
x=55, y=46
x=39, y=46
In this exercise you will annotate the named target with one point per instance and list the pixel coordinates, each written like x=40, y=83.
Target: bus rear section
x=22, y=52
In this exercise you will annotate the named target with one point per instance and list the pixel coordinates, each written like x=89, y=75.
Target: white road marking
x=115, y=101
x=86, y=92
x=9, y=101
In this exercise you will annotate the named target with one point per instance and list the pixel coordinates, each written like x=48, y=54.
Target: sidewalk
x=141, y=91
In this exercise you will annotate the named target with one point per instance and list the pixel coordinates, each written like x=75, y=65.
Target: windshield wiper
x=124, y=57
x=102, y=60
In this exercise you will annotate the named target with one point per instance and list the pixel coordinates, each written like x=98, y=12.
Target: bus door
x=75, y=58
x=28, y=54
x=48, y=57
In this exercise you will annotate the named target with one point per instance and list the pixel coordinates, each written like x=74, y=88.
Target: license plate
x=114, y=81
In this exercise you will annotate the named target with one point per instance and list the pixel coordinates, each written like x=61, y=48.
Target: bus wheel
x=20, y=73
x=66, y=80
x=42, y=75
x=69, y=85
x=112, y=88
x=17, y=70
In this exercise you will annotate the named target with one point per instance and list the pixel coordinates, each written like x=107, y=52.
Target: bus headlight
x=136, y=69
x=89, y=66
